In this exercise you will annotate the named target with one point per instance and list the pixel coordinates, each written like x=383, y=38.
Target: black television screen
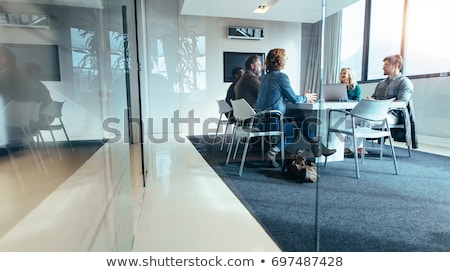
x=46, y=56
x=236, y=59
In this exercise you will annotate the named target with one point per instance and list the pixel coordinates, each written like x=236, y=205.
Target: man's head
x=253, y=64
x=237, y=72
x=7, y=58
x=392, y=65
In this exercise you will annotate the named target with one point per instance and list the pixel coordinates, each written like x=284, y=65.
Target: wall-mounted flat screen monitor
x=46, y=56
x=237, y=59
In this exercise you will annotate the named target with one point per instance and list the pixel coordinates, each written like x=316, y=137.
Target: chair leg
x=233, y=134
x=224, y=135
x=56, y=145
x=394, y=157
x=282, y=151
x=217, y=129
x=39, y=135
x=238, y=140
x=65, y=133
x=356, y=156
x=230, y=148
x=381, y=148
x=244, y=155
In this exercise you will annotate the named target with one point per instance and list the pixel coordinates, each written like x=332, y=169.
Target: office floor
x=188, y=208
x=185, y=206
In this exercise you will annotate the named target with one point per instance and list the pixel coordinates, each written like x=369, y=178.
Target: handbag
x=300, y=169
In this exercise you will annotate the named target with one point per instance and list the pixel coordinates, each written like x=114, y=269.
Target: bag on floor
x=300, y=169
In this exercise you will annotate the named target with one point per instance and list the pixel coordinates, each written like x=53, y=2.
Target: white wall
x=277, y=34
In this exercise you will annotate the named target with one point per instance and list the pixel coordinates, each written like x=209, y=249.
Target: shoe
x=359, y=151
x=316, y=149
x=327, y=151
x=272, y=157
x=347, y=152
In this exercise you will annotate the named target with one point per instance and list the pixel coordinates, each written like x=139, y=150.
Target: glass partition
x=74, y=56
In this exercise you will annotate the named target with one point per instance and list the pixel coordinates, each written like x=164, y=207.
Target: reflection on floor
x=188, y=208
x=20, y=194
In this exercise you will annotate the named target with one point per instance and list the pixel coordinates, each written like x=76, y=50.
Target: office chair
x=224, y=108
x=371, y=111
x=245, y=127
x=53, y=113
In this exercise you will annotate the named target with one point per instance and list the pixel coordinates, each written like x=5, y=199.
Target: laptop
x=335, y=92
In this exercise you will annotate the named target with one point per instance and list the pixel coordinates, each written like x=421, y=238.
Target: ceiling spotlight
x=263, y=8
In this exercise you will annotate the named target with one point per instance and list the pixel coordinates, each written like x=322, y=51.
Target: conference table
x=338, y=141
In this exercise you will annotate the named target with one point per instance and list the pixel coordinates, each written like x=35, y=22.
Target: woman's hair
x=275, y=60
x=352, y=77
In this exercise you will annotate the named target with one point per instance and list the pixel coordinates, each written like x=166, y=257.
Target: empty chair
x=53, y=114
x=373, y=112
x=224, y=109
x=245, y=127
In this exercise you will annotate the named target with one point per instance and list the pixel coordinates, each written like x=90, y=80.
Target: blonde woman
x=353, y=90
x=354, y=93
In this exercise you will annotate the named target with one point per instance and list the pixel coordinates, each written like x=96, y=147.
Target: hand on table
x=310, y=97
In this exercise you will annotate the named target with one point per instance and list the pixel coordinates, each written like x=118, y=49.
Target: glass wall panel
x=385, y=34
x=67, y=63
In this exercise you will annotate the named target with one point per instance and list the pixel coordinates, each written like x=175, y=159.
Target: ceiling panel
x=70, y=3
x=309, y=11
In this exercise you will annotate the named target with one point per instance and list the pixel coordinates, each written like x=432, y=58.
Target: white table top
x=335, y=105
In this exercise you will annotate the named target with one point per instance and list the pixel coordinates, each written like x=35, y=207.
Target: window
x=353, y=37
x=422, y=40
x=427, y=37
x=385, y=34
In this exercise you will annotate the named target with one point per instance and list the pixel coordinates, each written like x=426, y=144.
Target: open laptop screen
x=335, y=92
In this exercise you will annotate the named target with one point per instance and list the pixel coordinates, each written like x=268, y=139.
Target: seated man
x=237, y=73
x=397, y=86
x=248, y=84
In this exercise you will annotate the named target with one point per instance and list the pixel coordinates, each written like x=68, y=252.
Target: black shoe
x=316, y=149
x=327, y=151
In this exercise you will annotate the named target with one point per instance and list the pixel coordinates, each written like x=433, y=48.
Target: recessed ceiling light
x=263, y=8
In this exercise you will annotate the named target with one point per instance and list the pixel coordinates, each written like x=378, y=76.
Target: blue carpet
x=380, y=212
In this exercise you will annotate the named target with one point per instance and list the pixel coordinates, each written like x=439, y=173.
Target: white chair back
x=54, y=109
x=223, y=106
x=372, y=110
x=241, y=109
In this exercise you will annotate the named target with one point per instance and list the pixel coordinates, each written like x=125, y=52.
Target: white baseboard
x=433, y=140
